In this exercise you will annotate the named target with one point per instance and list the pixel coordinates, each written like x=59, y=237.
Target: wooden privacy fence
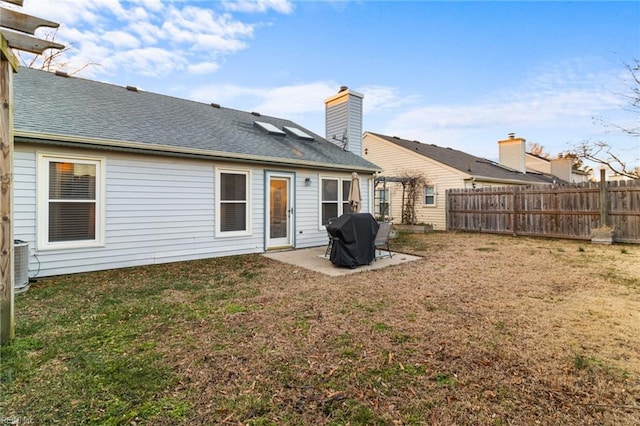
x=558, y=211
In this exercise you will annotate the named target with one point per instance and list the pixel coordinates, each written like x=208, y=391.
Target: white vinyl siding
x=158, y=210
x=70, y=201
x=344, y=114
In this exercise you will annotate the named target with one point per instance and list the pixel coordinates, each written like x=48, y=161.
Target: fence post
x=514, y=200
x=447, y=217
x=7, y=318
x=603, y=199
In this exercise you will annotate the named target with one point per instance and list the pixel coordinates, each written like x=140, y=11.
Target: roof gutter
x=95, y=143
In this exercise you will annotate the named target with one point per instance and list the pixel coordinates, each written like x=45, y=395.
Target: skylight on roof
x=269, y=128
x=299, y=133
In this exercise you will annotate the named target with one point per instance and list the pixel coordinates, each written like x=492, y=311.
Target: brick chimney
x=511, y=153
x=343, y=120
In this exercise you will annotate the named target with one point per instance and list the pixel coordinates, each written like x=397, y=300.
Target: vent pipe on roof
x=62, y=73
x=257, y=114
x=132, y=88
x=215, y=105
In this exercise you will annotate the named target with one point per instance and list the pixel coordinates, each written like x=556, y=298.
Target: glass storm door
x=280, y=220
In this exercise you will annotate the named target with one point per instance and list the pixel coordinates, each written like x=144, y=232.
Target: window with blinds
x=233, y=202
x=69, y=210
x=72, y=201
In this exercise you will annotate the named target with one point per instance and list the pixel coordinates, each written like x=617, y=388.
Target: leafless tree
x=536, y=149
x=632, y=99
x=601, y=152
x=51, y=60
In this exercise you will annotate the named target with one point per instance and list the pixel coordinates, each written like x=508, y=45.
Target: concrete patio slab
x=313, y=259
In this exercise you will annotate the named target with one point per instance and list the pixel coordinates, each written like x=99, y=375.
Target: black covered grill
x=353, y=236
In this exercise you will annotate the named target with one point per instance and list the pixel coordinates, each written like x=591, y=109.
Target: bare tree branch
x=632, y=98
x=602, y=153
x=536, y=149
x=53, y=59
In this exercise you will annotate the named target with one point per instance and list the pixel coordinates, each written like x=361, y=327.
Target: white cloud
x=284, y=101
x=296, y=99
x=554, y=106
x=152, y=5
x=258, y=6
x=146, y=31
x=112, y=33
x=558, y=97
x=121, y=39
x=204, y=21
x=138, y=14
x=71, y=12
x=149, y=61
x=203, y=68
x=378, y=98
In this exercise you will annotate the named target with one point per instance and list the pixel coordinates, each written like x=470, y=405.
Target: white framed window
x=70, y=201
x=334, y=198
x=233, y=202
x=382, y=198
x=429, y=198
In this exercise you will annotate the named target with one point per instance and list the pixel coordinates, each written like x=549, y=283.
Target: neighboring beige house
x=560, y=167
x=444, y=168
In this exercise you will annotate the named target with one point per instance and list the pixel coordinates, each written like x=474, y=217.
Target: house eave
x=96, y=143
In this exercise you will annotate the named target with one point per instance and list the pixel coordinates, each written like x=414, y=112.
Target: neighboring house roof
x=477, y=167
x=538, y=156
x=547, y=160
x=51, y=108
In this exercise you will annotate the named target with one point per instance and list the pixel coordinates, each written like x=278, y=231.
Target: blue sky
x=456, y=74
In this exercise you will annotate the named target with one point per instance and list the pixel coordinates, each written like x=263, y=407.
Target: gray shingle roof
x=71, y=109
x=467, y=163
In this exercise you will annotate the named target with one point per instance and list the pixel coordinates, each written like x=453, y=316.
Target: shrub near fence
x=557, y=211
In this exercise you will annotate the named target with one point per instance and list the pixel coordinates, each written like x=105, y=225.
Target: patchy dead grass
x=484, y=329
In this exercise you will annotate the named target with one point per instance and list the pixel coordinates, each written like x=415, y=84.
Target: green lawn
x=247, y=340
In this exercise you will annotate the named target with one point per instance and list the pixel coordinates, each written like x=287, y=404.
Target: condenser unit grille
x=20, y=265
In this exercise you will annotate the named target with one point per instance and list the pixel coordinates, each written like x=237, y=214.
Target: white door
x=280, y=212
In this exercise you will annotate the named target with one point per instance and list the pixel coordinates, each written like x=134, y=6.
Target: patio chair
x=382, y=240
x=327, y=252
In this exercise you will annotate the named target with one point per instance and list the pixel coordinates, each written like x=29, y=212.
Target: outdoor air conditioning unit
x=20, y=266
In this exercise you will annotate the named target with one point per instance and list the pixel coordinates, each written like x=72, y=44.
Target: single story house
x=443, y=168
x=108, y=176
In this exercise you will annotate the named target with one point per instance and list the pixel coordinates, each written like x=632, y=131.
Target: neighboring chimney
x=562, y=168
x=511, y=153
x=343, y=120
